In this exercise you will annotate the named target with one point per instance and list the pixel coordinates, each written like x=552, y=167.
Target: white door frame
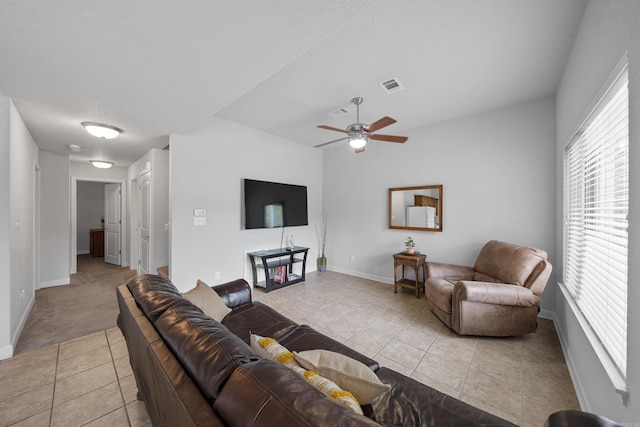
x=36, y=226
x=133, y=224
x=110, y=228
x=139, y=204
x=73, y=262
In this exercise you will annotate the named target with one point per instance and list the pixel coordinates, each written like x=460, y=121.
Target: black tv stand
x=275, y=258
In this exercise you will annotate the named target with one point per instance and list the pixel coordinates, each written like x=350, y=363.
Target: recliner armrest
x=449, y=271
x=494, y=293
x=235, y=293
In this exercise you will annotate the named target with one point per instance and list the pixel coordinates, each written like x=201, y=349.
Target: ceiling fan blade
x=330, y=142
x=389, y=138
x=359, y=150
x=332, y=128
x=383, y=122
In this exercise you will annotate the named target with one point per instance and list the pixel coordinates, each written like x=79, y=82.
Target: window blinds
x=596, y=207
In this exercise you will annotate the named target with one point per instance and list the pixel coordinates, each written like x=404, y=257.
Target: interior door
x=112, y=223
x=144, y=221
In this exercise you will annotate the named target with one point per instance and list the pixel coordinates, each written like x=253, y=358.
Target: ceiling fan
x=360, y=133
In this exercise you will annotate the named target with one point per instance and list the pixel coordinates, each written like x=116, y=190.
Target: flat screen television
x=272, y=204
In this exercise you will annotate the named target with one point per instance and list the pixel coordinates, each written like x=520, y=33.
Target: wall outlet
x=217, y=275
x=199, y=220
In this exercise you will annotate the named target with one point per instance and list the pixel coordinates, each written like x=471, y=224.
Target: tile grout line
x=55, y=381
x=115, y=369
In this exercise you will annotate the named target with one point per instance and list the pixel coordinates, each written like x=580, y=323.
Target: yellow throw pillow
x=346, y=372
x=280, y=354
x=208, y=301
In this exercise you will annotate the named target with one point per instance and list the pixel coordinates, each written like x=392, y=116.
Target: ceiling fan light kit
x=100, y=130
x=358, y=142
x=360, y=133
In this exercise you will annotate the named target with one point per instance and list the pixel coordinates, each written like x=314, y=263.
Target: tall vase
x=322, y=263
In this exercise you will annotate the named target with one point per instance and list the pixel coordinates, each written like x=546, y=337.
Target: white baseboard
x=547, y=314
x=85, y=252
x=57, y=282
x=23, y=321
x=382, y=279
x=6, y=352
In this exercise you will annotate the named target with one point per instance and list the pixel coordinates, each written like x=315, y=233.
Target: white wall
x=17, y=284
x=207, y=168
x=158, y=162
x=608, y=29
x=55, y=238
x=497, y=169
x=90, y=210
x=6, y=347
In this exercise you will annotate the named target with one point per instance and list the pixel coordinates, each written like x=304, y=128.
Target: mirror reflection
x=416, y=208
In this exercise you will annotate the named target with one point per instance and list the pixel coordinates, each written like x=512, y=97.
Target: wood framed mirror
x=416, y=208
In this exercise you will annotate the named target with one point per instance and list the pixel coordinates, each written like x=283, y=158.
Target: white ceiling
x=156, y=67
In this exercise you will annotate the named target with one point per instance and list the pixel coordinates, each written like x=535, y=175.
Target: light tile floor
x=88, y=381
x=85, y=381
x=522, y=379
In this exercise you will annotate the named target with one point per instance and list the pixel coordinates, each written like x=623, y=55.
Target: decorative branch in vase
x=321, y=232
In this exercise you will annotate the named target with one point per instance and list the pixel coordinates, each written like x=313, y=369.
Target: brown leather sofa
x=194, y=371
x=498, y=296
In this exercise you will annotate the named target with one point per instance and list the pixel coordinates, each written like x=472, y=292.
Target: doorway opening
x=97, y=221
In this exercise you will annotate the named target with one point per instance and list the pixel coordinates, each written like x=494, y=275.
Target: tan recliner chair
x=498, y=296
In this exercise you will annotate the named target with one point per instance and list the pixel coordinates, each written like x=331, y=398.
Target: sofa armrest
x=235, y=293
x=494, y=293
x=449, y=271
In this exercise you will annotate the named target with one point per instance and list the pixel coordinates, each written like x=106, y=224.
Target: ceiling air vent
x=339, y=112
x=392, y=85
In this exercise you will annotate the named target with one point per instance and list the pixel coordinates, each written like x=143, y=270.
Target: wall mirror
x=416, y=208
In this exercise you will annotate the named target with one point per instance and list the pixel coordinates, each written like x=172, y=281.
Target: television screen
x=272, y=204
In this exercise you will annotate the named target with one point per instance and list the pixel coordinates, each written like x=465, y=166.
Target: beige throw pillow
x=208, y=301
x=348, y=373
x=282, y=355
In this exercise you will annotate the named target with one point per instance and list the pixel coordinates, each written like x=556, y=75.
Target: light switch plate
x=199, y=220
x=199, y=212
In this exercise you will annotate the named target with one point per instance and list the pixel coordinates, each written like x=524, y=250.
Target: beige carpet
x=88, y=304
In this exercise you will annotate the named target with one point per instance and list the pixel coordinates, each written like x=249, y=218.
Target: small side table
x=415, y=261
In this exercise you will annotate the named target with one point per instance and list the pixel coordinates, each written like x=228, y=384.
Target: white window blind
x=596, y=207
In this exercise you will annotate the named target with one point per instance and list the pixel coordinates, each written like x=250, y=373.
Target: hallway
x=86, y=305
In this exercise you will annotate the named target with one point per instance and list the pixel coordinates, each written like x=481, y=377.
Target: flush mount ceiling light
x=101, y=164
x=102, y=131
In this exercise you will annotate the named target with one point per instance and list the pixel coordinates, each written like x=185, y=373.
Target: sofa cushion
x=208, y=351
x=264, y=393
x=208, y=301
x=439, y=292
x=507, y=263
x=348, y=373
x=156, y=294
x=411, y=403
x=305, y=337
x=258, y=318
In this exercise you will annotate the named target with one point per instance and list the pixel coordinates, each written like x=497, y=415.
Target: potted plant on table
x=409, y=245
